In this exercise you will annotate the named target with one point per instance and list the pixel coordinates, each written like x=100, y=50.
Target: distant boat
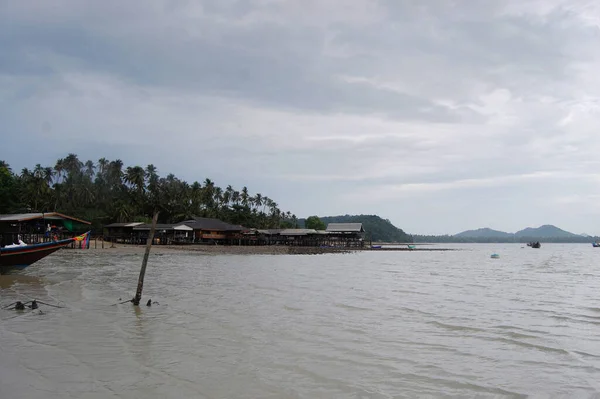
x=534, y=244
x=495, y=256
x=411, y=246
x=596, y=244
x=375, y=246
x=21, y=256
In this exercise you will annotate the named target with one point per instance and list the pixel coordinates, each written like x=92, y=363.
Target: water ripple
x=376, y=325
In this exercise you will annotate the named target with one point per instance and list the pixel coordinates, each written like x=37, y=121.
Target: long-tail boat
x=21, y=256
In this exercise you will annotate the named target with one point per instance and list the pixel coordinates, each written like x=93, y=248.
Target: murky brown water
x=367, y=325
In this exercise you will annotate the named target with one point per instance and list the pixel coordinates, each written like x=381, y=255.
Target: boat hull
x=23, y=256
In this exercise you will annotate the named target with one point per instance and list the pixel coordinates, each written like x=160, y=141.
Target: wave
x=453, y=327
x=528, y=345
x=351, y=307
x=292, y=309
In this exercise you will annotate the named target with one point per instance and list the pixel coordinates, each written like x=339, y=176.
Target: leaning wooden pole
x=138, y=293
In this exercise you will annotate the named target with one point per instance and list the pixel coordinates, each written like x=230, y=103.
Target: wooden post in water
x=138, y=293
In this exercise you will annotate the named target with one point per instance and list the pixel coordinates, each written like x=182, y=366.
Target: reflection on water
x=368, y=325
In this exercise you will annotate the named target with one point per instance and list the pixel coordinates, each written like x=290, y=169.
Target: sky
x=440, y=115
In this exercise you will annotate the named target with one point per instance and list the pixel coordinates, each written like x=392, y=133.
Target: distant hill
x=544, y=231
x=485, y=232
x=377, y=228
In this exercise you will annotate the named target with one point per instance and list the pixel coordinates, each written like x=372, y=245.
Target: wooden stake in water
x=138, y=294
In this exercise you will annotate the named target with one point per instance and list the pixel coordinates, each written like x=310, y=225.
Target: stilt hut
x=346, y=234
x=120, y=232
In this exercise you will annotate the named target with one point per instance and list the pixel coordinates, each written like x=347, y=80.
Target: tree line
x=106, y=191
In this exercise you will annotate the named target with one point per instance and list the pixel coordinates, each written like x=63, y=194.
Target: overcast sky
x=439, y=115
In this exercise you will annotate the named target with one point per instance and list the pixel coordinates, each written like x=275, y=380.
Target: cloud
x=395, y=108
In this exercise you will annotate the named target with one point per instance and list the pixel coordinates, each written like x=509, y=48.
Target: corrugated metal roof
x=297, y=232
x=23, y=217
x=211, y=224
x=345, y=227
x=128, y=224
x=182, y=227
x=159, y=227
x=268, y=232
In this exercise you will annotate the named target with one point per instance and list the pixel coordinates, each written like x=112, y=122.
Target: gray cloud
x=428, y=114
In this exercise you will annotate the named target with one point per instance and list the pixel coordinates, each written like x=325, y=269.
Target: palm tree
x=227, y=195
x=218, y=199
x=90, y=169
x=245, y=196
x=103, y=166
x=136, y=176
x=123, y=212
x=49, y=175
x=235, y=197
x=153, y=187
x=72, y=165
x=258, y=200
x=196, y=198
x=266, y=202
x=209, y=192
x=151, y=173
x=4, y=164
x=115, y=174
x=60, y=169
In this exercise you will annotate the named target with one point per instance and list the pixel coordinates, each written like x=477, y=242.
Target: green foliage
x=107, y=191
x=8, y=188
x=378, y=229
x=313, y=222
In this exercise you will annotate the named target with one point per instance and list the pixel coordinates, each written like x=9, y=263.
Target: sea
x=371, y=324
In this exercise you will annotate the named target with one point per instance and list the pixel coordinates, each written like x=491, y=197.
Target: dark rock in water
x=149, y=303
x=19, y=306
x=34, y=304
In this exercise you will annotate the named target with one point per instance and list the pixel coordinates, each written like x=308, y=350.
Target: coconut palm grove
x=106, y=191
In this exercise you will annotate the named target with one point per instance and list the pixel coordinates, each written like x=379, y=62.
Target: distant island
x=377, y=228
x=545, y=233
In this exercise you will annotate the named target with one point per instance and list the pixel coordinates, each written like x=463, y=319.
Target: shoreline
x=241, y=250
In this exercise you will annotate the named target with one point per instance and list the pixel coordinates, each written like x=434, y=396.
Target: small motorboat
x=596, y=244
x=495, y=256
x=534, y=244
